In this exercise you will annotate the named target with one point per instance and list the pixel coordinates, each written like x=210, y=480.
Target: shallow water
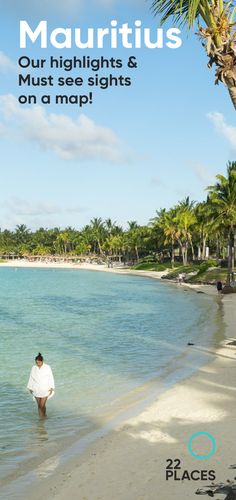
x=103, y=334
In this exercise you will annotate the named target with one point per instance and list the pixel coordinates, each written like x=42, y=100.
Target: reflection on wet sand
x=41, y=431
x=47, y=467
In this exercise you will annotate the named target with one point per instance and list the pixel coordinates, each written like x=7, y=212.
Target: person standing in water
x=41, y=384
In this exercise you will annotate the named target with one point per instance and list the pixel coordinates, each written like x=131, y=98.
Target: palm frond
x=178, y=10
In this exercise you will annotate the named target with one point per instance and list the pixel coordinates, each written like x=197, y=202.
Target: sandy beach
x=129, y=462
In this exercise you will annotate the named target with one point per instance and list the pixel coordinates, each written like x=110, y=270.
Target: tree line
x=193, y=230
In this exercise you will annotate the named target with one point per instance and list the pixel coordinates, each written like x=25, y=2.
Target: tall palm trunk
x=233, y=260
x=230, y=256
x=218, y=253
x=226, y=70
x=232, y=88
x=184, y=252
x=199, y=252
x=172, y=254
x=193, y=254
x=100, y=247
x=185, y=256
x=204, y=247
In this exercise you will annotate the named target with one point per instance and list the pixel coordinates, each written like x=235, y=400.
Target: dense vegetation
x=188, y=232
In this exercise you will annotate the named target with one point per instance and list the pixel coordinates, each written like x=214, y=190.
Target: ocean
x=106, y=336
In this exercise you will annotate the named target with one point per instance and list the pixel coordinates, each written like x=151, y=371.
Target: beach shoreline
x=136, y=449
x=128, y=462
x=119, y=269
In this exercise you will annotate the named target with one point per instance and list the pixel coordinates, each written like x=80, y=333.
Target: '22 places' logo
x=174, y=469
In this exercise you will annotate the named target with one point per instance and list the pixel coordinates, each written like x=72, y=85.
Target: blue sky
x=132, y=151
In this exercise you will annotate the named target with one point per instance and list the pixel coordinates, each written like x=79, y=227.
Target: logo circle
x=213, y=445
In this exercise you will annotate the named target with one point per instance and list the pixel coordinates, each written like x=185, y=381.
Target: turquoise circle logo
x=213, y=445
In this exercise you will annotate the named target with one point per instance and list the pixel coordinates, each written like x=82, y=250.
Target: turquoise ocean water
x=104, y=335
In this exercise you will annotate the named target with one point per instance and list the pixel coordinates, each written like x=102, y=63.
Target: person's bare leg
x=41, y=407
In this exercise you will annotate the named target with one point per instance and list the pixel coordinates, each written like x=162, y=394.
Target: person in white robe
x=41, y=384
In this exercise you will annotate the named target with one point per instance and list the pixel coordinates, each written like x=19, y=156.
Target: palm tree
x=114, y=244
x=165, y=221
x=22, y=234
x=98, y=232
x=64, y=241
x=112, y=228
x=132, y=224
x=205, y=220
x=136, y=237
x=216, y=29
x=7, y=242
x=223, y=198
x=186, y=204
x=185, y=220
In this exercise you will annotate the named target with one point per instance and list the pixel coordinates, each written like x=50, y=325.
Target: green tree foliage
x=222, y=199
x=190, y=230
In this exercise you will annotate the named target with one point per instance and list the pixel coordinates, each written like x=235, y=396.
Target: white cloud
x=228, y=131
x=6, y=64
x=35, y=214
x=203, y=174
x=157, y=181
x=70, y=139
x=25, y=208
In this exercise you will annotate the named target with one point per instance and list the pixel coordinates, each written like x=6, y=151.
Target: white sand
x=129, y=463
x=21, y=263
